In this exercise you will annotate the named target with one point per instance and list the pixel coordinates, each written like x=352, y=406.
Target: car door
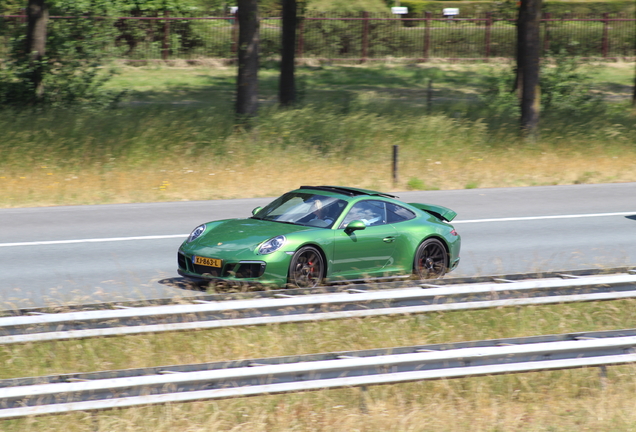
x=364, y=252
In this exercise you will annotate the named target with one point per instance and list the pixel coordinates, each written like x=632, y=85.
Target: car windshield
x=301, y=208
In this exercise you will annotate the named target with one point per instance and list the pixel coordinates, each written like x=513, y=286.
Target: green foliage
x=347, y=5
x=415, y=183
x=71, y=69
x=565, y=89
x=9, y=7
x=498, y=95
x=508, y=7
x=117, y=7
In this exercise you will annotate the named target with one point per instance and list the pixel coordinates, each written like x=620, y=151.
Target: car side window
x=371, y=212
x=396, y=213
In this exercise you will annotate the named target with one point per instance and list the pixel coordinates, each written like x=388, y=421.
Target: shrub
x=71, y=69
x=565, y=89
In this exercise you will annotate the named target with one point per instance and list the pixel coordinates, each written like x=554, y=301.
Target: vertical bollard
x=395, y=164
x=429, y=96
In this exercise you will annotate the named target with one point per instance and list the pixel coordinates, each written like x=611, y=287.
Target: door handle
x=388, y=239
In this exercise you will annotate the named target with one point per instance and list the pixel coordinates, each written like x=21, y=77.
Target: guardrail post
x=364, y=409
x=605, y=45
x=165, y=47
x=603, y=376
x=365, y=36
x=427, y=34
x=488, y=29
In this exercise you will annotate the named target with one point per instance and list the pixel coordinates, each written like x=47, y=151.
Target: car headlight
x=196, y=233
x=272, y=245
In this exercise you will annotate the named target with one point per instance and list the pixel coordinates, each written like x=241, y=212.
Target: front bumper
x=272, y=270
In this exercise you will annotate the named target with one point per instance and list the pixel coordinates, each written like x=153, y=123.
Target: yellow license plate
x=210, y=262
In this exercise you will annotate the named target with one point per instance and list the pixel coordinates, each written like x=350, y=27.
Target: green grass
x=175, y=138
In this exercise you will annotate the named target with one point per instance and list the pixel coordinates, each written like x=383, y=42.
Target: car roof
x=349, y=191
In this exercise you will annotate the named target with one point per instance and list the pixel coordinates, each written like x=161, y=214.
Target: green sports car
x=319, y=234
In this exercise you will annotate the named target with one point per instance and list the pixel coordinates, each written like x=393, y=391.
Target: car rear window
x=396, y=213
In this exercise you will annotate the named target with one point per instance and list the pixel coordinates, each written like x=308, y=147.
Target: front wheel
x=431, y=260
x=307, y=268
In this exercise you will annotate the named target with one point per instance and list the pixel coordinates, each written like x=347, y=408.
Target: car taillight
x=454, y=233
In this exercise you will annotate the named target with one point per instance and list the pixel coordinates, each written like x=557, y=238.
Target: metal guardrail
x=242, y=292
x=354, y=302
x=129, y=388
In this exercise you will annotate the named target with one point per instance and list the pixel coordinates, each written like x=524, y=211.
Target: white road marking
x=528, y=218
x=162, y=237
x=97, y=240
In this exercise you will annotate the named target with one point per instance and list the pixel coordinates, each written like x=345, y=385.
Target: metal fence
x=354, y=37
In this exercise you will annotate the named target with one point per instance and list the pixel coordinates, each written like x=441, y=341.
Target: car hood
x=236, y=235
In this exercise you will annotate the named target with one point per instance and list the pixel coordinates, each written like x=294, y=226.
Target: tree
x=528, y=54
x=35, y=43
x=287, y=83
x=54, y=63
x=248, y=53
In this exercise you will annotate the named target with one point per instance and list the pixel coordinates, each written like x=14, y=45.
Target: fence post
x=427, y=34
x=605, y=46
x=234, y=32
x=365, y=36
x=165, y=48
x=546, y=33
x=301, y=38
x=488, y=29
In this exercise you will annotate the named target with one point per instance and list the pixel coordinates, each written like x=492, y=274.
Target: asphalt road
x=56, y=255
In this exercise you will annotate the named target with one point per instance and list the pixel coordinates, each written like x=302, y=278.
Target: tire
x=307, y=268
x=431, y=260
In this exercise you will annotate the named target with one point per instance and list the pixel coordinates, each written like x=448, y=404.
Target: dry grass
x=448, y=406
x=154, y=150
x=573, y=400
x=172, y=179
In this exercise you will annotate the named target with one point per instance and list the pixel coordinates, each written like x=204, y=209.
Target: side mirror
x=256, y=210
x=355, y=226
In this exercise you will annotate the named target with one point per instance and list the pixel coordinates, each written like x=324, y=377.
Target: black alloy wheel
x=431, y=260
x=307, y=268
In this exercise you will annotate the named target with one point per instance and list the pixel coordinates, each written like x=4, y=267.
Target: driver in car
x=318, y=215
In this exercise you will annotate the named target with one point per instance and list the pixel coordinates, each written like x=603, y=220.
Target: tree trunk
x=37, y=15
x=521, y=30
x=528, y=65
x=248, y=52
x=287, y=83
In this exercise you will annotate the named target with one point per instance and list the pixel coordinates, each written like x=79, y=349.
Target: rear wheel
x=431, y=260
x=307, y=268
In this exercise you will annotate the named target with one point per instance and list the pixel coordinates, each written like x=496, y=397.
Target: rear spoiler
x=439, y=212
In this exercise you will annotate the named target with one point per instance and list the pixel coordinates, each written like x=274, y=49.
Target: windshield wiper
x=275, y=220
x=285, y=222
